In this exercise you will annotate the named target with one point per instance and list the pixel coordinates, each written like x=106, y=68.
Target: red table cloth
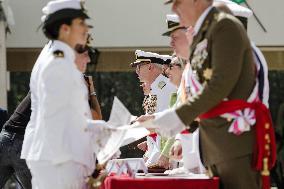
x=123, y=182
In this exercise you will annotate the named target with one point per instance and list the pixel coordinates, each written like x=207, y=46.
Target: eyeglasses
x=138, y=67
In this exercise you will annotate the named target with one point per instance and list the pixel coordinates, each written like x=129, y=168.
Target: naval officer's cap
x=242, y=13
x=236, y=9
x=173, y=24
x=143, y=57
x=169, y=2
x=62, y=9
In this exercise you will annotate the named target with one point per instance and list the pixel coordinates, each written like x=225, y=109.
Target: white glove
x=101, y=132
x=168, y=123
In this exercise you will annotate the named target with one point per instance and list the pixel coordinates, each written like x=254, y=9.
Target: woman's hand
x=176, y=150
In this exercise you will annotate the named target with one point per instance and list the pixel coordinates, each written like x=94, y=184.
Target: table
x=124, y=182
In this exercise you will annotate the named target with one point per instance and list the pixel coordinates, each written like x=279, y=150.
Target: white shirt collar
x=201, y=19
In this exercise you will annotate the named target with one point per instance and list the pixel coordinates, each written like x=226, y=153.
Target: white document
x=134, y=134
x=112, y=146
x=121, y=132
x=149, y=124
x=119, y=114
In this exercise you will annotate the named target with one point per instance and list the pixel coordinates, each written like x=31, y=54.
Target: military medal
x=207, y=73
x=161, y=84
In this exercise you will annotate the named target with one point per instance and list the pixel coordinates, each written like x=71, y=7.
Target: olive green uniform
x=226, y=72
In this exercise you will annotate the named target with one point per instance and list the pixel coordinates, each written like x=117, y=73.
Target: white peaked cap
x=58, y=5
x=173, y=18
x=236, y=9
x=166, y=57
x=140, y=53
x=142, y=56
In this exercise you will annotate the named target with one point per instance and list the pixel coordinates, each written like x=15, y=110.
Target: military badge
x=161, y=84
x=200, y=54
x=207, y=73
x=150, y=104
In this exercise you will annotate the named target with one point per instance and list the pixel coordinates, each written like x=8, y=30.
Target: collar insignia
x=161, y=84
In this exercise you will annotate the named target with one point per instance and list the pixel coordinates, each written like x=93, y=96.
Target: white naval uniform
x=163, y=89
x=56, y=138
x=190, y=144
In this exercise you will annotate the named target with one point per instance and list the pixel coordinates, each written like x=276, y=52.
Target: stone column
x=3, y=66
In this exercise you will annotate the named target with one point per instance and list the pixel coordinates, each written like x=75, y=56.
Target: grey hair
x=159, y=66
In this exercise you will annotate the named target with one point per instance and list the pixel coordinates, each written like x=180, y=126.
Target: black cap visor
x=169, y=32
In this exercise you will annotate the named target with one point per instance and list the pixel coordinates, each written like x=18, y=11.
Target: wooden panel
x=274, y=58
x=21, y=59
x=118, y=59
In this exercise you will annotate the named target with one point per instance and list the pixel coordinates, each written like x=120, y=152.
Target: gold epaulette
x=58, y=54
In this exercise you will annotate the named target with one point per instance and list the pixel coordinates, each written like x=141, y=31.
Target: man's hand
x=144, y=118
x=99, y=129
x=176, y=150
x=142, y=146
x=146, y=88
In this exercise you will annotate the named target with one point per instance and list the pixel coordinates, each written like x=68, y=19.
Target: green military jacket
x=226, y=70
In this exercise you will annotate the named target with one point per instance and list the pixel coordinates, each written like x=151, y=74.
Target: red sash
x=153, y=135
x=185, y=132
x=264, y=157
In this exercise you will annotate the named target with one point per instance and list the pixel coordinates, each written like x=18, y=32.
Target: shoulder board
x=161, y=84
x=58, y=54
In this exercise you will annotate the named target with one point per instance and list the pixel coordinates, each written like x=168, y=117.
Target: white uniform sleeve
x=168, y=123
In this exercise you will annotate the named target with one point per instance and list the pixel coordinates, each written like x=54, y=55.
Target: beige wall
x=135, y=23
x=121, y=26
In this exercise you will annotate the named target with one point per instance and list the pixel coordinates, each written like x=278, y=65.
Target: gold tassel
x=265, y=171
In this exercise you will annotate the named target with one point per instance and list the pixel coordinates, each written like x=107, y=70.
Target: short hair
x=51, y=31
